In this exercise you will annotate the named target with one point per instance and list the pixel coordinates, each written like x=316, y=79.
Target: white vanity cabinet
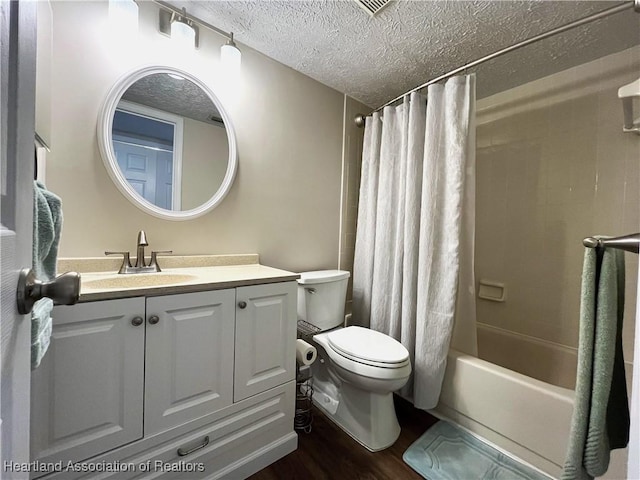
x=263, y=338
x=205, y=377
x=87, y=394
x=188, y=358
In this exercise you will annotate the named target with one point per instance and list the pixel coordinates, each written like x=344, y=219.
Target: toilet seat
x=360, y=366
x=368, y=347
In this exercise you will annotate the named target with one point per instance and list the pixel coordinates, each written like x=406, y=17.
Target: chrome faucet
x=140, y=266
x=142, y=242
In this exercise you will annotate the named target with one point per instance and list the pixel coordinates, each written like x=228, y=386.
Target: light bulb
x=231, y=57
x=123, y=15
x=182, y=34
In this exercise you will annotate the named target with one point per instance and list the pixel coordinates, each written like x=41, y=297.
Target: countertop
x=215, y=274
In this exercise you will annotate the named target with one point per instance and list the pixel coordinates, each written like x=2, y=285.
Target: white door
x=149, y=170
x=17, y=94
x=265, y=337
x=189, y=357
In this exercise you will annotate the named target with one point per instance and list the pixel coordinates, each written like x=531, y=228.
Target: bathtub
x=525, y=417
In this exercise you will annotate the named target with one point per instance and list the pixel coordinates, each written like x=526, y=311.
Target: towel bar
x=629, y=243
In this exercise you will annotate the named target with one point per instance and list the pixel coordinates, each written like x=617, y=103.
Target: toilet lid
x=368, y=346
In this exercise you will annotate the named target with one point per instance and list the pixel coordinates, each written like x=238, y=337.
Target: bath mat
x=445, y=452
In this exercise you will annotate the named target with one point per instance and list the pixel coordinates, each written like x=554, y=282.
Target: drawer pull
x=153, y=319
x=183, y=453
x=242, y=305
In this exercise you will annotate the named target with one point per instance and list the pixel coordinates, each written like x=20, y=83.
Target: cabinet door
x=189, y=357
x=265, y=337
x=86, y=396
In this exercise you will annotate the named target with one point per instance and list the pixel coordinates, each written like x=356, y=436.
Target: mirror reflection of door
x=148, y=148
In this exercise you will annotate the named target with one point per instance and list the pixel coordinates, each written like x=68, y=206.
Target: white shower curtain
x=413, y=267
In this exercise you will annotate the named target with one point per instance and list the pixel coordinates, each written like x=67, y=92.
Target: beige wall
x=285, y=202
x=553, y=167
x=205, y=156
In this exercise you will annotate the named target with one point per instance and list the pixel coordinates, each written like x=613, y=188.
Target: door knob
x=136, y=321
x=153, y=319
x=242, y=305
x=63, y=290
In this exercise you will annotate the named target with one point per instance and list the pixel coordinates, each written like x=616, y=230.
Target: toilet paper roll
x=305, y=353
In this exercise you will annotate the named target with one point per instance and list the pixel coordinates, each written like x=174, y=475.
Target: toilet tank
x=321, y=297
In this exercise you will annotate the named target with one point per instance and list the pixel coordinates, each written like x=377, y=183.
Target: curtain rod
x=635, y=4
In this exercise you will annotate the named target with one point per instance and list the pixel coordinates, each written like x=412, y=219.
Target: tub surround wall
x=553, y=167
x=547, y=361
x=285, y=202
x=351, y=164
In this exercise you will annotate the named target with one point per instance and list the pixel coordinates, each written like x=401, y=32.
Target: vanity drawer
x=221, y=447
x=243, y=438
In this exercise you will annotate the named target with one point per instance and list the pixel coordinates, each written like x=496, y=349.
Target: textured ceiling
x=409, y=42
x=174, y=95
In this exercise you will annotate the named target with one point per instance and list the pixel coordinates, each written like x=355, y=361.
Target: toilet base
x=368, y=417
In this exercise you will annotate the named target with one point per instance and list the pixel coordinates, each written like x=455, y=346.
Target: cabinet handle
x=242, y=305
x=183, y=453
x=136, y=321
x=153, y=319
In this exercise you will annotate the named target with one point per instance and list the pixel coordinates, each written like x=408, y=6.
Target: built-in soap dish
x=493, y=291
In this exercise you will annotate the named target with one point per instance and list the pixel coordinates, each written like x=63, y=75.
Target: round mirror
x=167, y=142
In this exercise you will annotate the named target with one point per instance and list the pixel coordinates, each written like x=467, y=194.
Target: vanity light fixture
x=169, y=16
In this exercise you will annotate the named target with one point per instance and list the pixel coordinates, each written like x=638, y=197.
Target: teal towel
x=41, y=325
x=600, y=419
x=47, y=226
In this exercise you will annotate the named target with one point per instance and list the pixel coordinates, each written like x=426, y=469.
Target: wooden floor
x=329, y=453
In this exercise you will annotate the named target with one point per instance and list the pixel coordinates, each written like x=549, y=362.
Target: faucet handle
x=126, y=260
x=154, y=258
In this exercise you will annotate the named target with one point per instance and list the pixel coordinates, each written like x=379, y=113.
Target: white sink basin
x=139, y=280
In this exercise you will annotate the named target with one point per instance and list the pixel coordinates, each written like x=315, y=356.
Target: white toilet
x=357, y=369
